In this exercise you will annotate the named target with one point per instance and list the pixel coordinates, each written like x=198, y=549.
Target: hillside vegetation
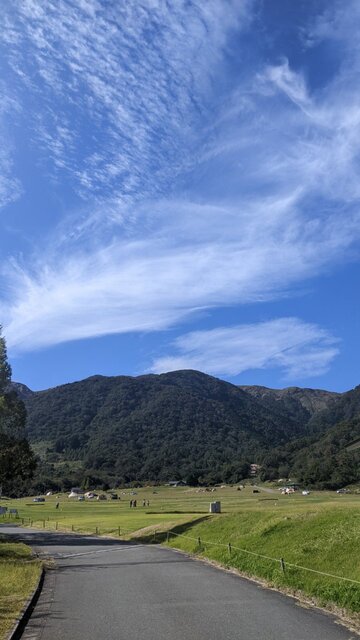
x=183, y=424
x=189, y=425
x=294, y=402
x=330, y=457
x=19, y=573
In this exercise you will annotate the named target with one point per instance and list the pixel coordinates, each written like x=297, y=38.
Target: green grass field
x=319, y=531
x=19, y=574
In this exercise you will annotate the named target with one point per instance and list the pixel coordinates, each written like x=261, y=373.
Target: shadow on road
x=50, y=538
x=84, y=568
x=39, y=538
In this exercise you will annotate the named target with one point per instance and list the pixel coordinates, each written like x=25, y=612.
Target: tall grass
x=19, y=574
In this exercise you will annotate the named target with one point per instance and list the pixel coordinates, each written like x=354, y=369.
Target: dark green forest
x=328, y=458
x=185, y=424
x=17, y=462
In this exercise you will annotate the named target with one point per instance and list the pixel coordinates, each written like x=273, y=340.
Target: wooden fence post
x=282, y=564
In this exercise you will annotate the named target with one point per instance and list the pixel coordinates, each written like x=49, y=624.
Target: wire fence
x=58, y=525
x=280, y=561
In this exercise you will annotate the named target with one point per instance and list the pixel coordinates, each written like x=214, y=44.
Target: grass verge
x=19, y=574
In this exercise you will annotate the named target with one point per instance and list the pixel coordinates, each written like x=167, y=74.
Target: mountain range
x=186, y=424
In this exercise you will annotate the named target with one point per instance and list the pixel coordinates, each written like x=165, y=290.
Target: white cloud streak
x=148, y=284
x=300, y=350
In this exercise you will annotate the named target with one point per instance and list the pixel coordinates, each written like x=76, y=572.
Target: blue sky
x=179, y=189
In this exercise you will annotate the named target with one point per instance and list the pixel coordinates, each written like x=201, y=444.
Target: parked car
x=38, y=499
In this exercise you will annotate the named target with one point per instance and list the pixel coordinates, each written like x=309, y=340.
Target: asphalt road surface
x=109, y=590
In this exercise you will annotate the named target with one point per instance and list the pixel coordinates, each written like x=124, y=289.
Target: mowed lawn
x=19, y=573
x=320, y=531
x=169, y=507
x=106, y=517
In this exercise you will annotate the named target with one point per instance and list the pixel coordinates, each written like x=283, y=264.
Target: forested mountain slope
x=345, y=408
x=328, y=461
x=156, y=427
x=330, y=457
x=190, y=425
x=297, y=403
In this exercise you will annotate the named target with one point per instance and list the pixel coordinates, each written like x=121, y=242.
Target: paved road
x=108, y=590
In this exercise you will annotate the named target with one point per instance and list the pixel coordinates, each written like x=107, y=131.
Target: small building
x=215, y=507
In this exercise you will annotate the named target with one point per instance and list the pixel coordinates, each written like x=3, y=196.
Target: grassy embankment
x=324, y=539
x=19, y=573
x=319, y=531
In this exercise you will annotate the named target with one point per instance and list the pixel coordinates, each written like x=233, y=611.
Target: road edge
x=339, y=615
x=27, y=609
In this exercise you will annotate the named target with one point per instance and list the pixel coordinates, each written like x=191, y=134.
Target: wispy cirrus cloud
x=299, y=349
x=119, y=89
x=10, y=187
x=190, y=201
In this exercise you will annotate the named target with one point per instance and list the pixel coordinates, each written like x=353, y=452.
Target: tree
x=17, y=461
x=5, y=369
